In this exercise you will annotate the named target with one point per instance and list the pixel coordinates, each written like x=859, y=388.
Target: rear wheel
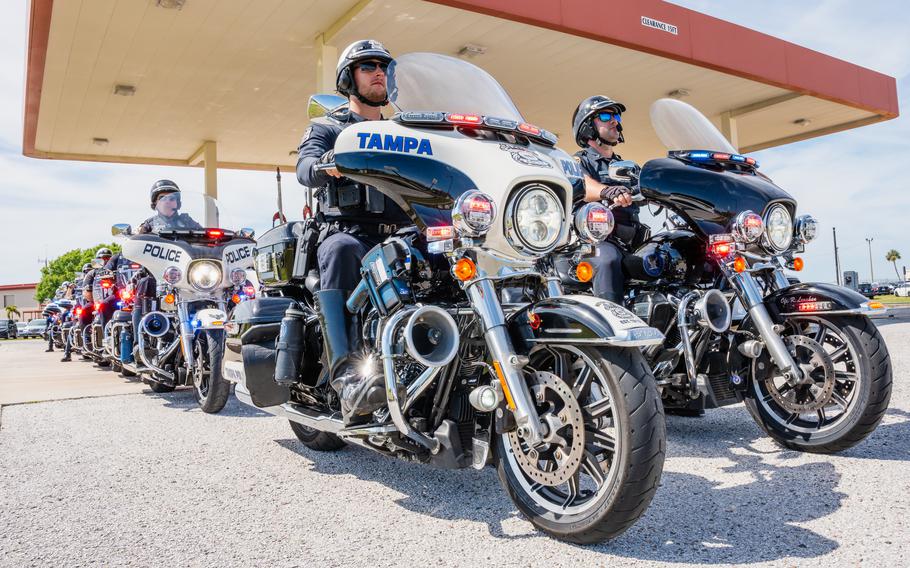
x=845, y=394
x=209, y=385
x=604, y=445
x=316, y=440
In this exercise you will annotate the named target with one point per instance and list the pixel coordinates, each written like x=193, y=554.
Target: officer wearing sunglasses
x=597, y=125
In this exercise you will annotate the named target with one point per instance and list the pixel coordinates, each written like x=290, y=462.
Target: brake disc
x=556, y=459
x=816, y=364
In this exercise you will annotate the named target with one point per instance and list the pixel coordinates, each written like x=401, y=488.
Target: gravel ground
x=149, y=480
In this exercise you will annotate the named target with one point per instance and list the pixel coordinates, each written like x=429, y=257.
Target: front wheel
x=209, y=386
x=845, y=393
x=601, y=459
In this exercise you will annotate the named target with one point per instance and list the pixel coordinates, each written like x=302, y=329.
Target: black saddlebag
x=252, y=332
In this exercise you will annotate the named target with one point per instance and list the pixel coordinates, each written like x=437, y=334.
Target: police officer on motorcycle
x=83, y=302
x=165, y=199
x=597, y=125
x=356, y=218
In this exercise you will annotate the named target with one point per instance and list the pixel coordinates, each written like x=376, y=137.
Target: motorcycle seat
x=121, y=316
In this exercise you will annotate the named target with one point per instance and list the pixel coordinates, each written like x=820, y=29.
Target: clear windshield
x=681, y=126
x=434, y=82
x=185, y=210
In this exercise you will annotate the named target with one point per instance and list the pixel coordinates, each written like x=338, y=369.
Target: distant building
x=23, y=297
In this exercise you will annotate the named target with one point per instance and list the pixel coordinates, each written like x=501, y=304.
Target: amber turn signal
x=797, y=263
x=235, y=298
x=464, y=269
x=584, y=272
x=169, y=299
x=876, y=305
x=739, y=264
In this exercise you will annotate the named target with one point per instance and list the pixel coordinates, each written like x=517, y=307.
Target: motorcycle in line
x=810, y=366
x=199, y=272
x=553, y=390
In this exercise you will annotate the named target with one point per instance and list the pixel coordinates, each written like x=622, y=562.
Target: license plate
x=233, y=371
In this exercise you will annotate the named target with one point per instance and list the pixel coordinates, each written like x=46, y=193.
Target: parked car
x=902, y=290
x=882, y=289
x=35, y=328
x=21, y=328
x=8, y=329
x=866, y=290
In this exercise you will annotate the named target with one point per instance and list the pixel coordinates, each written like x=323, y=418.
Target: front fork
x=507, y=364
x=751, y=296
x=188, y=332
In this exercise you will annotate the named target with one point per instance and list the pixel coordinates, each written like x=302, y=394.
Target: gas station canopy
x=225, y=82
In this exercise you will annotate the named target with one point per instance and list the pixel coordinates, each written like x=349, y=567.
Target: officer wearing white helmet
x=358, y=217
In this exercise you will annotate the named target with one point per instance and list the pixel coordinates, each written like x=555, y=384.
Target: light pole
x=871, y=271
x=836, y=257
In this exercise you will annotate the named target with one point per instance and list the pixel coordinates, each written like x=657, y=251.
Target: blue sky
x=854, y=180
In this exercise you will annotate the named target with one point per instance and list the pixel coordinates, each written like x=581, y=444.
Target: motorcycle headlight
x=535, y=219
x=172, y=275
x=806, y=228
x=473, y=213
x=238, y=276
x=593, y=222
x=205, y=275
x=748, y=227
x=779, y=228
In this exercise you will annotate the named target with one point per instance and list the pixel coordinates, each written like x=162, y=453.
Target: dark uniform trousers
x=339, y=258
x=608, y=282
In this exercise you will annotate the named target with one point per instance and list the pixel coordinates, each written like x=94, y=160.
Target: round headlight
x=806, y=228
x=748, y=227
x=205, y=275
x=238, y=276
x=537, y=217
x=779, y=228
x=473, y=213
x=172, y=275
x=593, y=222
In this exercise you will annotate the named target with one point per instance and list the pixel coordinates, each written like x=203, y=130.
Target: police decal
x=161, y=252
x=390, y=143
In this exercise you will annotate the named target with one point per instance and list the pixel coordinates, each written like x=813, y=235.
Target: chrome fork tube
x=186, y=335
x=554, y=287
x=751, y=296
x=485, y=302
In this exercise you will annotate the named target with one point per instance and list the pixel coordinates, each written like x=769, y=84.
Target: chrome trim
x=294, y=413
x=739, y=227
x=682, y=322
x=391, y=381
x=168, y=351
x=486, y=303
x=510, y=229
x=461, y=225
x=862, y=310
x=751, y=297
x=420, y=385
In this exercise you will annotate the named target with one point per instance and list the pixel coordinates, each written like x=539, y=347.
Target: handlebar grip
x=323, y=167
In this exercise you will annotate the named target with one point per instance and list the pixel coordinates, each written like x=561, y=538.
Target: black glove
x=327, y=158
x=612, y=192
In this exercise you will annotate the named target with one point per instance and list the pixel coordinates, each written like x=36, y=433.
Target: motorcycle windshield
x=426, y=82
x=681, y=126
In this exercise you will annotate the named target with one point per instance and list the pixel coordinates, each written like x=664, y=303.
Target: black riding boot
x=360, y=395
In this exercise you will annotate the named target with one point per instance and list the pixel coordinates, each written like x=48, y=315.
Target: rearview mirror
x=246, y=233
x=322, y=105
x=624, y=170
x=121, y=229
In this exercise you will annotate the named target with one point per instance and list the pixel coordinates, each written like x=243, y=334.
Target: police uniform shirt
x=596, y=166
x=318, y=139
x=160, y=223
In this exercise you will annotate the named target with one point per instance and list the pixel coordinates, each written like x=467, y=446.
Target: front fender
x=815, y=298
x=578, y=319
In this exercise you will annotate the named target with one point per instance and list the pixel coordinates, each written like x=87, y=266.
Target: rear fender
x=582, y=320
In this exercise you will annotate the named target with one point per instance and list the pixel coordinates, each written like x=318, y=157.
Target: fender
x=580, y=319
x=819, y=298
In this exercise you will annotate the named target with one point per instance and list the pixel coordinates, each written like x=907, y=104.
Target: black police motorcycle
x=553, y=389
x=811, y=367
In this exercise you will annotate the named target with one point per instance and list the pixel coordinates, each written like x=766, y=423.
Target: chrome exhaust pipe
x=161, y=357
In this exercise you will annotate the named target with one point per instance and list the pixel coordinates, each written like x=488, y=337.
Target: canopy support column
x=207, y=154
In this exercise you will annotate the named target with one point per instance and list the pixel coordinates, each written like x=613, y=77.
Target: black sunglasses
x=370, y=66
x=608, y=116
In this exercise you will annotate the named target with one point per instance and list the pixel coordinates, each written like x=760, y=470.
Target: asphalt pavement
x=149, y=480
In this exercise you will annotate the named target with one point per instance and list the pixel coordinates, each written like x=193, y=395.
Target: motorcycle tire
x=636, y=464
x=217, y=389
x=316, y=440
x=872, y=367
x=115, y=366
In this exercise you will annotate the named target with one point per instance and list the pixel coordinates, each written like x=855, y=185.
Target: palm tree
x=10, y=310
x=893, y=256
